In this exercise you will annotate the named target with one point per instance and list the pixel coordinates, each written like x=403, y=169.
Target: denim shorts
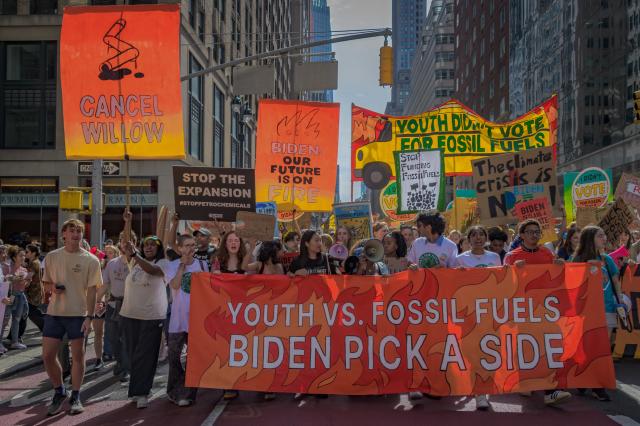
x=56, y=327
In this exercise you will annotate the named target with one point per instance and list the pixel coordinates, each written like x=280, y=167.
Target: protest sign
x=296, y=154
x=206, y=193
x=540, y=210
x=269, y=208
x=494, y=177
x=616, y=220
x=462, y=214
x=356, y=217
x=420, y=180
x=629, y=190
x=591, y=187
x=444, y=331
x=120, y=79
x=629, y=343
x=302, y=223
x=459, y=132
x=590, y=215
x=255, y=225
x=389, y=204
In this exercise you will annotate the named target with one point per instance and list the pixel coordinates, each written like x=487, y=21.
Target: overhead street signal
x=386, y=65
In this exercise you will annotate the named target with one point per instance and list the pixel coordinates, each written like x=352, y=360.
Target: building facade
x=320, y=30
x=219, y=127
x=482, y=56
x=408, y=18
x=432, y=73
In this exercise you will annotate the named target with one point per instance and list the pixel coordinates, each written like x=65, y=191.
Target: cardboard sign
x=462, y=213
x=297, y=153
x=356, y=217
x=591, y=187
x=629, y=190
x=255, y=225
x=206, y=193
x=441, y=331
x=590, y=216
x=617, y=220
x=269, y=208
x=420, y=180
x=494, y=176
x=303, y=222
x=540, y=210
x=120, y=77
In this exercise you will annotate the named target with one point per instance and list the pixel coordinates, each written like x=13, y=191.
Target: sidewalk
x=16, y=361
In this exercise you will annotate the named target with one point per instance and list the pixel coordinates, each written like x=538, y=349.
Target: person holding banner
x=311, y=259
x=529, y=252
x=143, y=312
x=380, y=229
x=395, y=252
x=179, y=277
x=268, y=262
x=343, y=236
x=593, y=241
x=291, y=242
x=497, y=241
x=408, y=235
x=432, y=249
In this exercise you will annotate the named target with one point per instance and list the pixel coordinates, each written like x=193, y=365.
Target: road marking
x=629, y=390
x=215, y=413
x=624, y=420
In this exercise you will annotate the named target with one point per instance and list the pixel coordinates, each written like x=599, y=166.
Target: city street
x=24, y=396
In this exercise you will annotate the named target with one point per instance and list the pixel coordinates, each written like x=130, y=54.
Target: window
x=218, y=127
x=195, y=110
x=503, y=47
x=482, y=73
x=28, y=95
x=201, y=29
x=444, y=57
x=491, y=90
x=503, y=78
x=8, y=7
x=491, y=61
x=192, y=13
x=492, y=34
x=44, y=7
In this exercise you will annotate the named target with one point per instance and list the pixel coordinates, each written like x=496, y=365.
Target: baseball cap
x=203, y=231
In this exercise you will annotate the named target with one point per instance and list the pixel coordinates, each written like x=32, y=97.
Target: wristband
x=90, y=317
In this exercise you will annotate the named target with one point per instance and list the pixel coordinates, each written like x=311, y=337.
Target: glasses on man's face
x=533, y=233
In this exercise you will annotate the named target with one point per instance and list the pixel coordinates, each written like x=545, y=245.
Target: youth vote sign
x=296, y=154
x=446, y=332
x=205, y=193
x=120, y=77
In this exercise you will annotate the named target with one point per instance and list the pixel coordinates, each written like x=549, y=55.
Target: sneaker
x=482, y=403
x=299, y=396
x=2, y=349
x=230, y=394
x=184, y=403
x=98, y=365
x=142, y=402
x=413, y=396
x=76, y=406
x=557, y=397
x=56, y=403
x=124, y=377
x=601, y=395
x=18, y=345
x=582, y=391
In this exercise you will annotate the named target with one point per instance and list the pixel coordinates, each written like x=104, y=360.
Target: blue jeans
x=19, y=310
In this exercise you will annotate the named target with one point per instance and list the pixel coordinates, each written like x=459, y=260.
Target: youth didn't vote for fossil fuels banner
x=459, y=132
x=444, y=331
x=120, y=79
x=420, y=180
x=296, y=154
x=208, y=193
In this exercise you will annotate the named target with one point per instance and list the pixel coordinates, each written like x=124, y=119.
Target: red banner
x=629, y=343
x=445, y=332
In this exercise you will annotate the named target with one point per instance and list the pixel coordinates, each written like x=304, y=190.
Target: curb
x=19, y=368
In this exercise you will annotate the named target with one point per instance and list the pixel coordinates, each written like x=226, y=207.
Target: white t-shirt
x=145, y=295
x=427, y=255
x=181, y=301
x=470, y=260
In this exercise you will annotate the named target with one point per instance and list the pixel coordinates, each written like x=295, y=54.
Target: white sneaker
x=18, y=345
x=482, y=402
x=184, y=403
x=557, y=397
x=142, y=402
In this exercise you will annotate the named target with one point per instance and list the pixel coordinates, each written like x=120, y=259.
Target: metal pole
x=96, y=204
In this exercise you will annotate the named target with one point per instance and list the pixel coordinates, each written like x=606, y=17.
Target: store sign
x=28, y=200
x=119, y=200
x=109, y=168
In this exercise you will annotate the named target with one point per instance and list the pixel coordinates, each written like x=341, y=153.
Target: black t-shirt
x=313, y=266
x=205, y=255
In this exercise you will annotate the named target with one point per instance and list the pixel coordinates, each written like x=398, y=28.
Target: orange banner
x=628, y=344
x=296, y=154
x=445, y=332
x=120, y=75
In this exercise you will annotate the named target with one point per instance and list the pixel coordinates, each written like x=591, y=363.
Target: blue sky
x=357, y=70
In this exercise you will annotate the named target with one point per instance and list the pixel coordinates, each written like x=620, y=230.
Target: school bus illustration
x=374, y=161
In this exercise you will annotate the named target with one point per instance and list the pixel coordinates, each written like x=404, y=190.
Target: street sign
x=109, y=168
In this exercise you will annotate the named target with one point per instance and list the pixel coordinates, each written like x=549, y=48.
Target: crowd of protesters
x=135, y=295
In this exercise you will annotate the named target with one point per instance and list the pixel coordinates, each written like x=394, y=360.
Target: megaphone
x=338, y=251
x=373, y=250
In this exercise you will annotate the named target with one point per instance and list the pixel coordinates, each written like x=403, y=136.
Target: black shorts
x=56, y=327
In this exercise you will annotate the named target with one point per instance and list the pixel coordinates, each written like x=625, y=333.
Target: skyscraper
x=320, y=30
x=408, y=19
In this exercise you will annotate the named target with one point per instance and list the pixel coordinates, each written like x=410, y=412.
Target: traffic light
x=386, y=65
x=71, y=200
x=636, y=106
